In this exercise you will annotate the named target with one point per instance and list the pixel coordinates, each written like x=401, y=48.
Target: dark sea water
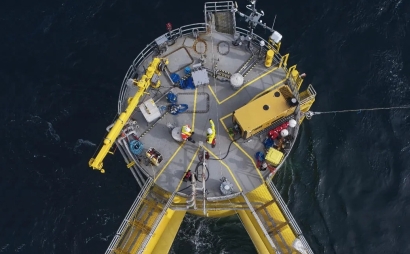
x=347, y=181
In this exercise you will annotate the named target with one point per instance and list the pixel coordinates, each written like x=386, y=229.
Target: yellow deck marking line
x=169, y=161
x=182, y=144
x=193, y=114
x=212, y=92
x=189, y=166
x=240, y=148
x=223, y=163
x=243, y=87
x=223, y=118
x=268, y=89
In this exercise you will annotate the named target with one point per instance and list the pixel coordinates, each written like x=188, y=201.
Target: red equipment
x=274, y=133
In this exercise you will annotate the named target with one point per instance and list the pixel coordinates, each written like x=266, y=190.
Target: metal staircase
x=223, y=18
x=141, y=221
x=288, y=217
x=155, y=224
x=224, y=22
x=276, y=223
x=271, y=240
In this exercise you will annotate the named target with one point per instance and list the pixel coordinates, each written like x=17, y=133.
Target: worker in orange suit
x=186, y=133
x=210, y=134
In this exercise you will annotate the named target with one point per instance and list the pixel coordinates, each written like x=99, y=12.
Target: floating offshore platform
x=207, y=114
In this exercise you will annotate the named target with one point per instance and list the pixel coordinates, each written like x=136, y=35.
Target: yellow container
x=274, y=156
x=269, y=58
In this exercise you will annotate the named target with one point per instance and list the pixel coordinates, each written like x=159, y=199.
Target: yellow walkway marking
x=182, y=144
x=227, y=167
x=240, y=89
x=189, y=166
x=239, y=147
x=169, y=161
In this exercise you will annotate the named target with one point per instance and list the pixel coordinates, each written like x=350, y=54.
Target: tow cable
x=310, y=114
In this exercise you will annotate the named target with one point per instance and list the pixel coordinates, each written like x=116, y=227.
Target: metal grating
x=224, y=22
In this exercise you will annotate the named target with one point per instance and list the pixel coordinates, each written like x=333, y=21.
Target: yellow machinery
x=154, y=156
x=143, y=84
x=262, y=112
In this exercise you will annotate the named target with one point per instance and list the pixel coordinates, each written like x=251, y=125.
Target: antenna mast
x=253, y=18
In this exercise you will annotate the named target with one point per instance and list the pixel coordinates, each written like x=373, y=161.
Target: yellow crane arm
x=143, y=84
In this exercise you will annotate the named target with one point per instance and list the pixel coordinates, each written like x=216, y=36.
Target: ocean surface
x=347, y=181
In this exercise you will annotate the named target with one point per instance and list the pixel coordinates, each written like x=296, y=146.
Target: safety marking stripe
x=223, y=163
x=240, y=148
x=240, y=89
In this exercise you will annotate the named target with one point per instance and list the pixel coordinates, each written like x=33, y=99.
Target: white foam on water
x=52, y=132
x=82, y=142
x=4, y=248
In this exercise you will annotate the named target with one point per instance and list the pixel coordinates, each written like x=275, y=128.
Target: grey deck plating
x=215, y=101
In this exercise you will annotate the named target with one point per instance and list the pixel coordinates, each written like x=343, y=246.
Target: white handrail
x=289, y=217
x=131, y=213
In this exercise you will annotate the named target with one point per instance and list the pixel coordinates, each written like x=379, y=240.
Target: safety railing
x=218, y=6
x=139, y=174
x=213, y=199
x=289, y=217
x=312, y=94
x=131, y=213
x=270, y=239
x=177, y=33
x=149, y=49
x=156, y=223
x=258, y=39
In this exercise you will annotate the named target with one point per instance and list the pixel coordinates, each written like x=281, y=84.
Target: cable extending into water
x=310, y=114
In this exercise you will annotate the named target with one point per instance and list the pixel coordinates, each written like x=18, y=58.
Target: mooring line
x=310, y=114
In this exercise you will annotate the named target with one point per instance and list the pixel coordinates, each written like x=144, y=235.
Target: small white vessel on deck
x=207, y=114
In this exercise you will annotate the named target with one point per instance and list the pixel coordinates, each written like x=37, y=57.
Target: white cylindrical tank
x=236, y=80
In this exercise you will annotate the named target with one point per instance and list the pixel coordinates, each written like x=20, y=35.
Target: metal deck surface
x=208, y=46
x=215, y=101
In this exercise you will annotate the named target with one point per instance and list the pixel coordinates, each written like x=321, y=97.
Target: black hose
x=226, y=155
x=196, y=171
x=189, y=186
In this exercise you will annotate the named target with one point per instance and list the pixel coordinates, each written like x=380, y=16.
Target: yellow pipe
x=143, y=83
x=253, y=233
x=166, y=240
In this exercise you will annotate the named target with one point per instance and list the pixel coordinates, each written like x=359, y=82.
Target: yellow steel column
x=253, y=233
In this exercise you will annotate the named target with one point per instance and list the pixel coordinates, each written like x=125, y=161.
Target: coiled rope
x=310, y=114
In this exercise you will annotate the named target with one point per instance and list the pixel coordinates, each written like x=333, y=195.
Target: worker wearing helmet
x=210, y=134
x=186, y=133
